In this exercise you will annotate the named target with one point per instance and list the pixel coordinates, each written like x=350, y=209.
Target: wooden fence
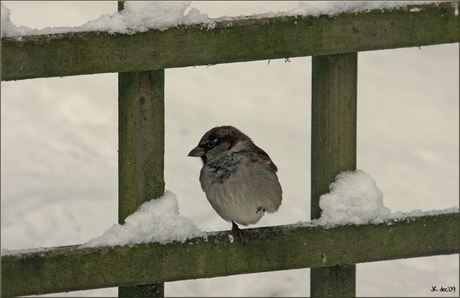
x=140, y=60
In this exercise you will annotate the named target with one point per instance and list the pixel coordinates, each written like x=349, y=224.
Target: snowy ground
x=59, y=142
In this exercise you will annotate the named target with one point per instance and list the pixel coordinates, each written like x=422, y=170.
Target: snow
x=334, y=8
x=141, y=16
x=15, y=252
x=355, y=199
x=137, y=16
x=157, y=220
x=8, y=29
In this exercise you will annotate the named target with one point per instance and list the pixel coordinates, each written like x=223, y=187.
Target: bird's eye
x=211, y=144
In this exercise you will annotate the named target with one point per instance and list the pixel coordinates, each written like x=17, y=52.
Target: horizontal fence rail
x=238, y=40
x=278, y=248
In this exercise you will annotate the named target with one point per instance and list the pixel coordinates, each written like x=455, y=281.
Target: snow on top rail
x=143, y=16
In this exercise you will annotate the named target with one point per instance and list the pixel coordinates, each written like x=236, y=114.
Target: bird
x=239, y=178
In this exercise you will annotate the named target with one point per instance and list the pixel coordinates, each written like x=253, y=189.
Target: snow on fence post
x=333, y=150
x=141, y=150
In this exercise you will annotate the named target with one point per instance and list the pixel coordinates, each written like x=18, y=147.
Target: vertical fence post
x=333, y=150
x=141, y=139
x=141, y=150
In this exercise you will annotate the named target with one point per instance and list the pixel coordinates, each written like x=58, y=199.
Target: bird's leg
x=237, y=230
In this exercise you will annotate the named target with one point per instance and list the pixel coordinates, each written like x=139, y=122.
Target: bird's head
x=221, y=141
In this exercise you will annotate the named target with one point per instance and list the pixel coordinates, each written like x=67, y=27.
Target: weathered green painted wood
x=276, y=248
x=244, y=39
x=150, y=290
x=141, y=151
x=333, y=123
x=336, y=281
x=333, y=150
x=141, y=139
x=141, y=155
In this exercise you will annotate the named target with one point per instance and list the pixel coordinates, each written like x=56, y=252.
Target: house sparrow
x=238, y=177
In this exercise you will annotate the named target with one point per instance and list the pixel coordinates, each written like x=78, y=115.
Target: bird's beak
x=196, y=152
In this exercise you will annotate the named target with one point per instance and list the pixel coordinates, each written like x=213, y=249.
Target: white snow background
x=59, y=142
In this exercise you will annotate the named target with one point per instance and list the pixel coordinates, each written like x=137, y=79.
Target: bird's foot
x=237, y=230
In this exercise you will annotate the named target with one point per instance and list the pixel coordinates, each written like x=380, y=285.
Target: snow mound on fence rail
x=157, y=220
x=355, y=199
x=8, y=28
x=141, y=16
x=137, y=16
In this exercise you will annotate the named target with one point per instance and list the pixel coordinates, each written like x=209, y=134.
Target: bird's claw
x=237, y=230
